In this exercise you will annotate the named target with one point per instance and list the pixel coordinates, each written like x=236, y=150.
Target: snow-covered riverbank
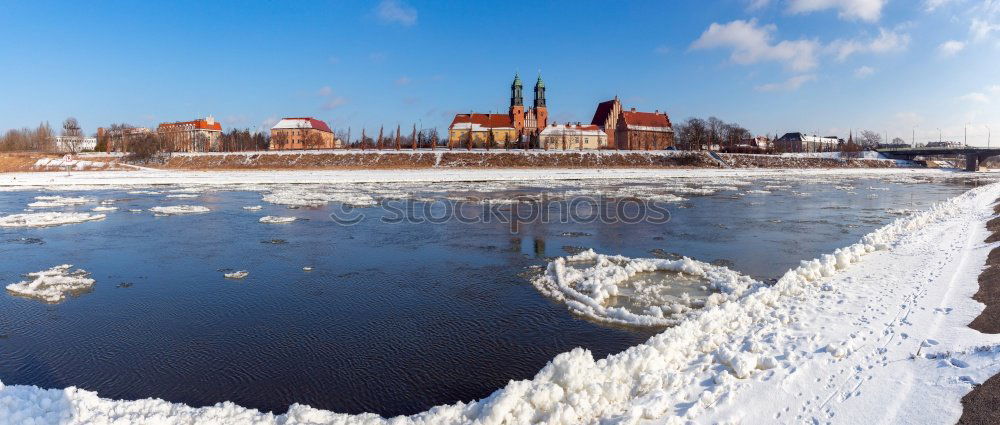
x=875, y=334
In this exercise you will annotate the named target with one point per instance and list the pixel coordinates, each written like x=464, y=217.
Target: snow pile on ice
x=314, y=197
x=47, y=219
x=179, y=209
x=58, y=201
x=240, y=274
x=53, y=284
x=275, y=219
x=588, y=290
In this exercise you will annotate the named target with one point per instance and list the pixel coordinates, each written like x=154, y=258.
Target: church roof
x=646, y=120
x=483, y=120
x=603, y=112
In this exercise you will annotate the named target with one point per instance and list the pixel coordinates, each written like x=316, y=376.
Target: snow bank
x=179, y=209
x=52, y=285
x=276, y=220
x=58, y=201
x=47, y=219
x=74, y=164
x=587, y=291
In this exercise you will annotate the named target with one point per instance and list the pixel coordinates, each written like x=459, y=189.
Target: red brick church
x=517, y=124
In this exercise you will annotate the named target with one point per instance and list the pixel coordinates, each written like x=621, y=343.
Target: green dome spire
x=540, y=83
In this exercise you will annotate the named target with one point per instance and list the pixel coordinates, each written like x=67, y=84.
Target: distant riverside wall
x=502, y=159
x=342, y=159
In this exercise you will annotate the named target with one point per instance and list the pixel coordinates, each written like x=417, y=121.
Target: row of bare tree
x=42, y=138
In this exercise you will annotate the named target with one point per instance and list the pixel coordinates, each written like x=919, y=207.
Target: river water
x=392, y=318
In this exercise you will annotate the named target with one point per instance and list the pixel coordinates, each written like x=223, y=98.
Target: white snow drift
x=52, y=285
x=47, y=219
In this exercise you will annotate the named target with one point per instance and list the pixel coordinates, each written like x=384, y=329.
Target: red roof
x=485, y=120
x=646, y=119
x=315, y=123
x=200, y=124
x=603, y=112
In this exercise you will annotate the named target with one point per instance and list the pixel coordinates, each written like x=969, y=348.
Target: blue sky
x=824, y=66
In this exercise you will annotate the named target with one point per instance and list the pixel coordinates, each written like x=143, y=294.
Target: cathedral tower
x=541, y=112
x=516, y=103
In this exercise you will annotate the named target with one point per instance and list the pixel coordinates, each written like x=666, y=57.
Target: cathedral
x=517, y=125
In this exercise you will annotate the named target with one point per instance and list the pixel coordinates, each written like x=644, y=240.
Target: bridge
x=973, y=155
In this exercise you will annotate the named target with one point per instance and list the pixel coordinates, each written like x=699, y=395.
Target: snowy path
x=914, y=299
x=873, y=333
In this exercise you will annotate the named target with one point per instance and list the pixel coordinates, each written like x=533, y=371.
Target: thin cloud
x=976, y=97
x=951, y=48
x=886, y=42
x=333, y=103
x=325, y=91
x=791, y=84
x=864, y=72
x=396, y=12
x=866, y=10
x=402, y=81
x=662, y=50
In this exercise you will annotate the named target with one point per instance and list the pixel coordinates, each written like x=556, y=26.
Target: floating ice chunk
x=276, y=220
x=588, y=282
x=253, y=208
x=179, y=209
x=57, y=201
x=103, y=208
x=183, y=195
x=47, y=219
x=135, y=210
x=53, y=284
x=237, y=274
x=307, y=269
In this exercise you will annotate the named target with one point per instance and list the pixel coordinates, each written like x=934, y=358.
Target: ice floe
x=253, y=208
x=587, y=283
x=47, y=219
x=104, y=209
x=53, y=284
x=240, y=274
x=179, y=209
x=58, y=201
x=271, y=219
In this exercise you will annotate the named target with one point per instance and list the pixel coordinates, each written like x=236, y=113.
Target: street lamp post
x=913, y=136
x=940, y=136
x=988, y=134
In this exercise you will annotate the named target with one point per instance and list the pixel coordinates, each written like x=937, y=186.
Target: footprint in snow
x=958, y=363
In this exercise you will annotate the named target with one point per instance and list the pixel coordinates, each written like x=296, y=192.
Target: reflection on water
x=391, y=319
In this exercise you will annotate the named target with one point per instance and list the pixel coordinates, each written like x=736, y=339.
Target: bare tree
x=870, y=140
